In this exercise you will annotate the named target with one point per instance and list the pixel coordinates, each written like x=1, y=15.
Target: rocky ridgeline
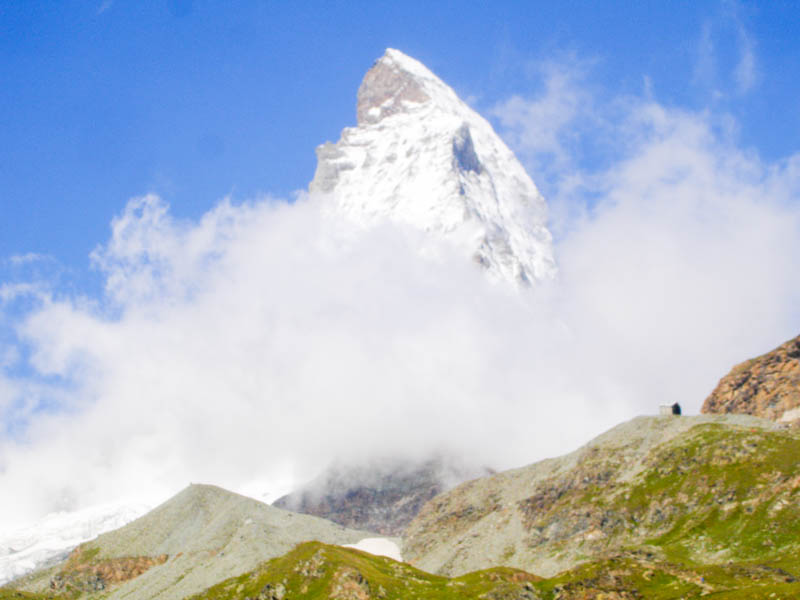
x=698, y=490
x=199, y=537
x=767, y=386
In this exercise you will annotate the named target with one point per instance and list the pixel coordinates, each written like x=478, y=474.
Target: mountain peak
x=196, y=538
x=396, y=82
x=421, y=156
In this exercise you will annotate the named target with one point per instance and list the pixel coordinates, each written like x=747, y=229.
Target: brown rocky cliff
x=767, y=386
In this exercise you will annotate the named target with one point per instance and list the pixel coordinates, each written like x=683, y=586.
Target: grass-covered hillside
x=315, y=571
x=691, y=491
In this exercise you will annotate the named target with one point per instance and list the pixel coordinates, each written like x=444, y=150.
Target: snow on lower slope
x=47, y=541
x=422, y=157
x=378, y=547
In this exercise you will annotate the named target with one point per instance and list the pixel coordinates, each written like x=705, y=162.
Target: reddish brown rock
x=767, y=386
x=83, y=573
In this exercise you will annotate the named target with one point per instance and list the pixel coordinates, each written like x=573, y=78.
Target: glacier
x=50, y=539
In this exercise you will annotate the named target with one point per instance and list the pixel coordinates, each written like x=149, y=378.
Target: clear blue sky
x=102, y=100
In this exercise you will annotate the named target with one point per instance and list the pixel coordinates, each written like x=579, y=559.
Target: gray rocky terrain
x=199, y=537
x=552, y=515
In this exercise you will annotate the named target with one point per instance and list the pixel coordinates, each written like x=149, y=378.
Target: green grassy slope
x=692, y=491
x=720, y=495
x=10, y=594
x=315, y=571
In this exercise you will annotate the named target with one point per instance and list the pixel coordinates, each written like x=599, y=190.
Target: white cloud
x=260, y=337
x=537, y=126
x=30, y=257
x=745, y=73
x=546, y=131
x=721, y=70
x=265, y=339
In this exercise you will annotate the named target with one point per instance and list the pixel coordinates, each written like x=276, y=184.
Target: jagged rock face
x=421, y=157
x=385, y=89
x=709, y=488
x=382, y=497
x=767, y=386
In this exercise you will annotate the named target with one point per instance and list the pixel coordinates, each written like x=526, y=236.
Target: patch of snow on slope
x=378, y=547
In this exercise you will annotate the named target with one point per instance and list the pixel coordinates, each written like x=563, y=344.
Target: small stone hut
x=669, y=409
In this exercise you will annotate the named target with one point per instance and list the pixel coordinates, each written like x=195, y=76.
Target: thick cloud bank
x=258, y=343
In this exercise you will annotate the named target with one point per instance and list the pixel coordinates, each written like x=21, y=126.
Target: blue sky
x=195, y=100
x=176, y=326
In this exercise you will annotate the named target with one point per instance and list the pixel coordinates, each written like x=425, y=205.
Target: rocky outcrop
x=381, y=496
x=767, y=386
x=83, y=574
x=385, y=90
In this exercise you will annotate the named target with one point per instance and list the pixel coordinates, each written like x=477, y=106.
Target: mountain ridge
x=198, y=537
x=626, y=488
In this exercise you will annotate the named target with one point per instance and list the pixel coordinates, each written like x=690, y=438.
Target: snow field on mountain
x=378, y=547
x=26, y=548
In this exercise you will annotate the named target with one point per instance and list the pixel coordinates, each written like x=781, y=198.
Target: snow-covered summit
x=422, y=157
